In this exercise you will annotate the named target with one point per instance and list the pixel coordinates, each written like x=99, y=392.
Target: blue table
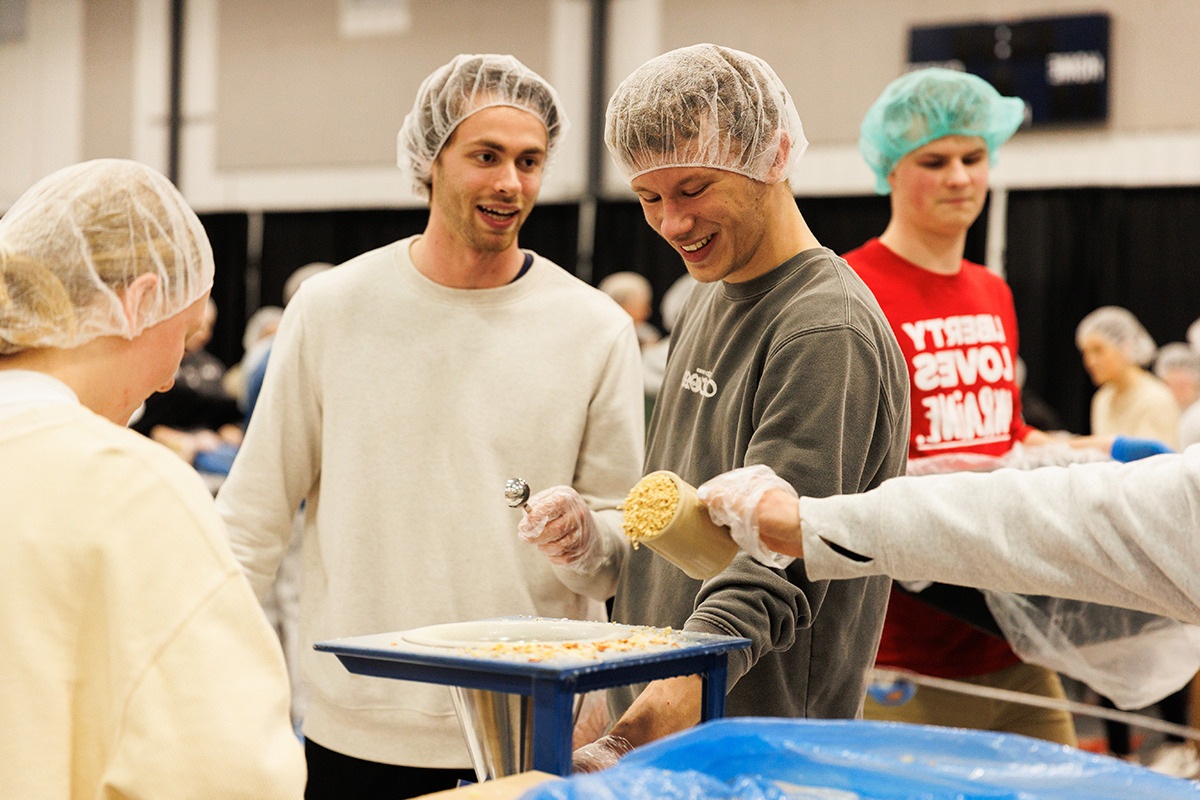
x=551, y=684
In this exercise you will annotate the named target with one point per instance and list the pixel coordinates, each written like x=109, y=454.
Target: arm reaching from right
x=666, y=706
x=760, y=509
x=1119, y=534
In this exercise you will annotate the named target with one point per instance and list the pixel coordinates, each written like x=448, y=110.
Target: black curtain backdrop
x=625, y=243
x=844, y=223
x=227, y=234
x=293, y=239
x=1070, y=251
x=552, y=231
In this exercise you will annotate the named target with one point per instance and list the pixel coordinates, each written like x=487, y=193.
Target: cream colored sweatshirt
x=397, y=408
x=135, y=660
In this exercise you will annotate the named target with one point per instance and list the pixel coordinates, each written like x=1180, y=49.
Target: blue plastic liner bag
x=783, y=759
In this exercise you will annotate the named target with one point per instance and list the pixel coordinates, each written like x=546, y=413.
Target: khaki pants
x=931, y=706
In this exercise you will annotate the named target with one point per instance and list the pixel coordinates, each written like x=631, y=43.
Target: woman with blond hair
x=1130, y=400
x=137, y=659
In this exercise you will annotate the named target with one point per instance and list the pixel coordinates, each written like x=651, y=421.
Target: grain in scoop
x=649, y=507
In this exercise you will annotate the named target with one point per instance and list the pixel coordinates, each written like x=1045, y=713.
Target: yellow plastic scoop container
x=663, y=513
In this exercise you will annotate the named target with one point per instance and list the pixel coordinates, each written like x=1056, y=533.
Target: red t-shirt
x=958, y=334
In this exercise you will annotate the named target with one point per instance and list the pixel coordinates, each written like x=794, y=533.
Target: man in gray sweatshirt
x=780, y=357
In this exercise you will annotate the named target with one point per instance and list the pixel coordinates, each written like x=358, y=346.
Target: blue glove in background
x=218, y=461
x=1128, y=448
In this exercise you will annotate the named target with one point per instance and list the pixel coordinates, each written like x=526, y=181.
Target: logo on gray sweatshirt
x=701, y=382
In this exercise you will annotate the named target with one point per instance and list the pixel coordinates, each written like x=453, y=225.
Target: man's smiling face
x=713, y=218
x=488, y=175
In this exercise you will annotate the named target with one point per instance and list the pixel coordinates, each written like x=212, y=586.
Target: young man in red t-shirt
x=930, y=138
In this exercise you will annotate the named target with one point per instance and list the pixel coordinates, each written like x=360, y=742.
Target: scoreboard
x=1058, y=65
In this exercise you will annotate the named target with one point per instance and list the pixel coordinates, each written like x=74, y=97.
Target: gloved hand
x=1128, y=448
x=591, y=719
x=732, y=499
x=600, y=754
x=560, y=524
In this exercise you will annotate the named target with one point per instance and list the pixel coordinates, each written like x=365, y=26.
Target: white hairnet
x=1121, y=328
x=928, y=104
x=1022, y=372
x=1193, y=335
x=77, y=238
x=300, y=275
x=455, y=91
x=262, y=323
x=704, y=106
x=626, y=287
x=1177, y=356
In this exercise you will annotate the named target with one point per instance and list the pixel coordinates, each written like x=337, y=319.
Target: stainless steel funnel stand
x=547, y=689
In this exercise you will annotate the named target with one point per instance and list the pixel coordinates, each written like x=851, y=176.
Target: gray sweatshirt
x=797, y=370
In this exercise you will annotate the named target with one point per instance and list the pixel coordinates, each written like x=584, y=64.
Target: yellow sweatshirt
x=136, y=661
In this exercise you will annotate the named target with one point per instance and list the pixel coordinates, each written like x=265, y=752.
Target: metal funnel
x=498, y=728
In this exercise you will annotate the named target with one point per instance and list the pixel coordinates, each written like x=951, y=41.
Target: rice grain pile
x=637, y=639
x=649, y=507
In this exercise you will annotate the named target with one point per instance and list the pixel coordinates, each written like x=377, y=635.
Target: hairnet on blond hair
x=466, y=85
x=927, y=104
x=1120, y=328
x=704, y=106
x=73, y=242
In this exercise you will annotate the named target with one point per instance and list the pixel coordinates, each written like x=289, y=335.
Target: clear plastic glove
x=600, y=754
x=732, y=499
x=561, y=525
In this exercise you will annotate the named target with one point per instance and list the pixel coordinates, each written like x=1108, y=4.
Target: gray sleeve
x=824, y=420
x=1119, y=534
x=755, y=602
x=818, y=423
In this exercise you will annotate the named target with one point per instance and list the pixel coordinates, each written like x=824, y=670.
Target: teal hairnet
x=927, y=104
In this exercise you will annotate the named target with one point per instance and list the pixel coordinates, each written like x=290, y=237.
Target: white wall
x=41, y=81
x=283, y=111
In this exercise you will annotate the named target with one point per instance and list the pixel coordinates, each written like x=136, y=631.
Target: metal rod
x=585, y=246
x=1084, y=709
x=175, y=99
